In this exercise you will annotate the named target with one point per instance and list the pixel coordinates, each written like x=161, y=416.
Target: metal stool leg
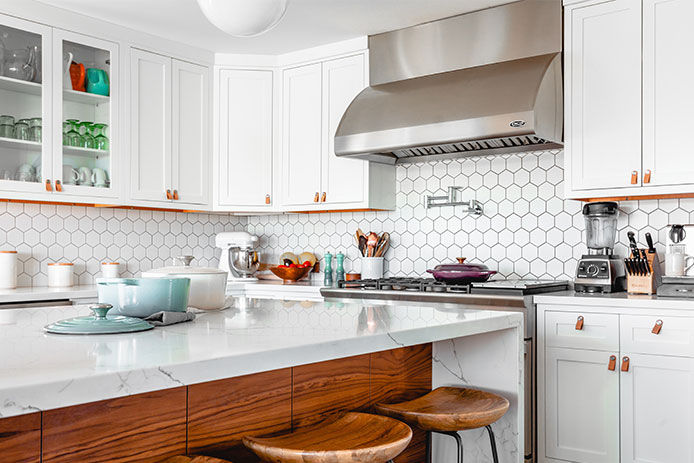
x=495, y=456
x=429, y=447
x=458, y=440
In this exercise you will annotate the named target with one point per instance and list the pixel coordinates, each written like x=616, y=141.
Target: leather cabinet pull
x=625, y=363
x=579, y=322
x=613, y=363
x=49, y=187
x=58, y=186
x=168, y=194
x=634, y=177
x=657, y=327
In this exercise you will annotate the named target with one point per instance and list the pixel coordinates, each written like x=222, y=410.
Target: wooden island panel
x=221, y=412
x=143, y=428
x=20, y=438
x=324, y=390
x=398, y=375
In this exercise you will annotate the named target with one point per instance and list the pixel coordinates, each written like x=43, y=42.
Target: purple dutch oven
x=461, y=273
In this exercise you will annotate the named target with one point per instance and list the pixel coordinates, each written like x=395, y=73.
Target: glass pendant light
x=244, y=18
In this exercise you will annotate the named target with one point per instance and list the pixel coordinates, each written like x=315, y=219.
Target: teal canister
x=328, y=270
x=97, y=81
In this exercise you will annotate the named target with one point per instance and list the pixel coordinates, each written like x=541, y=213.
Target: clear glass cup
x=6, y=119
x=99, y=131
x=21, y=131
x=73, y=136
x=6, y=131
x=35, y=129
x=86, y=131
x=66, y=129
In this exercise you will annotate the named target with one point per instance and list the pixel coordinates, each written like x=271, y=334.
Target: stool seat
x=354, y=437
x=449, y=409
x=194, y=459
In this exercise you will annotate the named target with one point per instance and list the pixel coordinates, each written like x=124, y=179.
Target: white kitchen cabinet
x=245, y=161
x=312, y=176
x=582, y=406
x=657, y=409
x=667, y=92
x=302, y=136
x=169, y=155
x=191, y=160
x=150, y=126
x=602, y=95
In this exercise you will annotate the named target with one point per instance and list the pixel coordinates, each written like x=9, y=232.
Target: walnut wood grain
x=449, y=409
x=398, y=375
x=221, y=412
x=194, y=459
x=322, y=390
x=139, y=428
x=352, y=438
x=20, y=438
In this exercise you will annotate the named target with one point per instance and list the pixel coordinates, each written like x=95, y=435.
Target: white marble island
x=40, y=372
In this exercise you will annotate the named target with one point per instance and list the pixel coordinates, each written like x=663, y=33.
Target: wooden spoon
x=371, y=243
x=383, y=244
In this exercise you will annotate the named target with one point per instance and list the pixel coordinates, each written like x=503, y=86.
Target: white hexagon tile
x=527, y=229
x=87, y=236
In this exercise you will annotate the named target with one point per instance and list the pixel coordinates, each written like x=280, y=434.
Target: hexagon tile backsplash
x=87, y=236
x=527, y=230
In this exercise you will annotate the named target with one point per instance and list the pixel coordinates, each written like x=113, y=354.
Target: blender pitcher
x=601, y=227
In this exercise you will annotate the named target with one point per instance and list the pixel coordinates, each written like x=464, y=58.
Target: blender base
x=600, y=274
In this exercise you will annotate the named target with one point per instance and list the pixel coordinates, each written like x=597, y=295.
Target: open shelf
x=77, y=151
x=25, y=145
x=84, y=97
x=21, y=86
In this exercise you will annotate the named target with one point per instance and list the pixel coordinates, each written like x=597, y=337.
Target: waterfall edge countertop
x=40, y=371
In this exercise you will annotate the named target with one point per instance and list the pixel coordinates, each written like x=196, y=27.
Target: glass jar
x=21, y=130
x=18, y=64
x=99, y=131
x=35, y=129
x=6, y=131
x=86, y=131
x=6, y=119
x=73, y=136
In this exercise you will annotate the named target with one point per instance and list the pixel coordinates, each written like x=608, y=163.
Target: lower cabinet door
x=657, y=409
x=581, y=406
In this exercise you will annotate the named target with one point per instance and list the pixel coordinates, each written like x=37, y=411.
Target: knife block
x=646, y=284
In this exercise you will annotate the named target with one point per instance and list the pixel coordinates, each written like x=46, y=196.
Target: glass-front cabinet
x=25, y=118
x=84, y=110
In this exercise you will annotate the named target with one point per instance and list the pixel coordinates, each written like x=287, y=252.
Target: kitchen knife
x=633, y=245
x=645, y=261
x=627, y=266
x=649, y=240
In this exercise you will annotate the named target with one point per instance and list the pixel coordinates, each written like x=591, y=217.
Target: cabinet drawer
x=597, y=331
x=676, y=336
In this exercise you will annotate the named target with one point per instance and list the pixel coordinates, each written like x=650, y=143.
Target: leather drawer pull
x=48, y=186
x=579, y=322
x=625, y=363
x=613, y=363
x=647, y=177
x=168, y=194
x=175, y=195
x=634, y=177
x=58, y=186
x=316, y=197
x=657, y=327
x=267, y=199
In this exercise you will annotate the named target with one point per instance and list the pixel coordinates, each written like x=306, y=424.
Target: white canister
x=60, y=274
x=110, y=270
x=8, y=269
x=371, y=268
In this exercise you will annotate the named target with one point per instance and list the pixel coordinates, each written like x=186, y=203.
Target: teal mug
x=97, y=81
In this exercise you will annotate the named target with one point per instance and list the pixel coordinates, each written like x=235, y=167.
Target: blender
x=600, y=271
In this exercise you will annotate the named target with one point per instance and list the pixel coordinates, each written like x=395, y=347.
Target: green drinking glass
x=102, y=142
x=73, y=136
x=86, y=130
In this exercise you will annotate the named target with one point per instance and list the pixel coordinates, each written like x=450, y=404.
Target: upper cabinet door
x=191, y=160
x=85, y=111
x=245, y=138
x=657, y=409
x=150, y=126
x=582, y=406
x=301, y=136
x=25, y=97
x=344, y=180
x=667, y=92
x=603, y=94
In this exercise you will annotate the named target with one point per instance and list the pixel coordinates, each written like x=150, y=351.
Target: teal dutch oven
x=141, y=297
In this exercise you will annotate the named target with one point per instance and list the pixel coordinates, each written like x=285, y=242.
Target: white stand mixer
x=239, y=256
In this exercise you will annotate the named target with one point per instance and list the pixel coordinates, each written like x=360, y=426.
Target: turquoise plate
x=98, y=323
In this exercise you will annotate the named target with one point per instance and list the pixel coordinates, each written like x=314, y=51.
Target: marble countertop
x=44, y=293
x=40, y=371
x=622, y=300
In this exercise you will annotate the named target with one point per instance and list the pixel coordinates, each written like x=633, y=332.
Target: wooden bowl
x=290, y=275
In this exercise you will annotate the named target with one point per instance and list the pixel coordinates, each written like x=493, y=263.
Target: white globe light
x=244, y=18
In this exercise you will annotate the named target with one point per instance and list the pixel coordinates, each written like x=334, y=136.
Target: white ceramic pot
x=8, y=269
x=60, y=274
x=207, y=285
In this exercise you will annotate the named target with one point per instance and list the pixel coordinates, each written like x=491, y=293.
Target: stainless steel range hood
x=481, y=83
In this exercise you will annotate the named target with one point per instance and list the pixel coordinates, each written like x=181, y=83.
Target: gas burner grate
x=404, y=284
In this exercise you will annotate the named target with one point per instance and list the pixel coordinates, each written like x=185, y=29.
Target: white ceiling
x=307, y=23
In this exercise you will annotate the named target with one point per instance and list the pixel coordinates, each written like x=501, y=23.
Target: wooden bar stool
x=446, y=410
x=352, y=438
x=194, y=459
